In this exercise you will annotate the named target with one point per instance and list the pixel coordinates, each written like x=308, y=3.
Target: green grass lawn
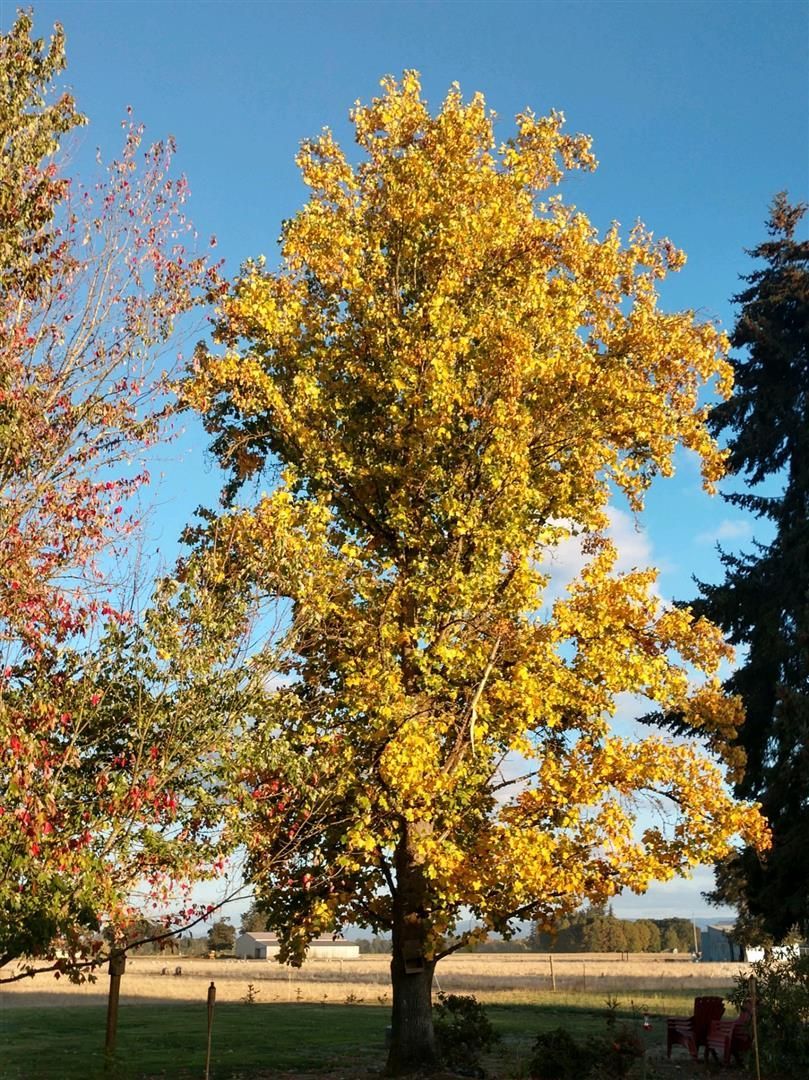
x=169, y=1040
x=255, y=1041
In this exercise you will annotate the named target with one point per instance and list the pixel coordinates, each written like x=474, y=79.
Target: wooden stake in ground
x=116, y=969
x=211, y=1003
x=553, y=975
x=754, y=1010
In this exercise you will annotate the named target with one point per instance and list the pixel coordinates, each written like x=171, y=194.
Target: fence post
x=211, y=1003
x=117, y=967
x=553, y=975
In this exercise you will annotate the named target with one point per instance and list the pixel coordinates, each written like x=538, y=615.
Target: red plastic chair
x=730, y=1038
x=692, y=1032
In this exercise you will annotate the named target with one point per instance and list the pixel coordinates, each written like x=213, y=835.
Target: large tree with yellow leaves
x=452, y=372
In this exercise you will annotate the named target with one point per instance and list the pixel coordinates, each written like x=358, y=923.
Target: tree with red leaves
x=109, y=724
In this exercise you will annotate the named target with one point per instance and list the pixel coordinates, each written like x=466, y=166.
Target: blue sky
x=699, y=114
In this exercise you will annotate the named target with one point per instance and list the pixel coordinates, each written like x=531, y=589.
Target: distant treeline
x=143, y=929
x=373, y=945
x=592, y=930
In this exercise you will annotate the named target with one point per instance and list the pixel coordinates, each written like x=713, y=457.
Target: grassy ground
x=67, y=1044
x=270, y=1040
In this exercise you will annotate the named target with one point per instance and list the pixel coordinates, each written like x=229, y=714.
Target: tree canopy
x=598, y=930
x=222, y=936
x=110, y=726
x=33, y=119
x=449, y=373
x=253, y=921
x=763, y=602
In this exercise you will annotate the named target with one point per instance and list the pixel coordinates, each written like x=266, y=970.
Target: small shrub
x=557, y=1056
x=782, y=1012
x=251, y=996
x=463, y=1032
x=612, y=1004
x=618, y=1052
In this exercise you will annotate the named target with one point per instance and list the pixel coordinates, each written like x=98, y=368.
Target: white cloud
x=727, y=529
x=566, y=561
x=633, y=543
x=679, y=897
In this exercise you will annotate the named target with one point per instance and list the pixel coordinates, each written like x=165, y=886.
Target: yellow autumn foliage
x=457, y=372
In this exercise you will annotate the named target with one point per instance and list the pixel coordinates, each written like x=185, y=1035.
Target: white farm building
x=260, y=946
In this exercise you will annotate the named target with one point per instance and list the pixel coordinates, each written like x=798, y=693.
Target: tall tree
x=222, y=936
x=253, y=921
x=763, y=602
x=454, y=371
x=103, y=753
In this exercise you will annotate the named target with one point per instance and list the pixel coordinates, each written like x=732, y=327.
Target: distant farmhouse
x=259, y=946
x=717, y=944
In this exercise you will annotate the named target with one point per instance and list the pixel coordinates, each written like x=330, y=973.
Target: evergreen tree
x=639, y=936
x=615, y=933
x=676, y=934
x=221, y=936
x=654, y=943
x=763, y=602
x=253, y=921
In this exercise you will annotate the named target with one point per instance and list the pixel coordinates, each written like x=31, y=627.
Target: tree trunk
x=412, y=1046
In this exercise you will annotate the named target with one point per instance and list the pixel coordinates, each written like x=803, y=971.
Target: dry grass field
x=506, y=978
